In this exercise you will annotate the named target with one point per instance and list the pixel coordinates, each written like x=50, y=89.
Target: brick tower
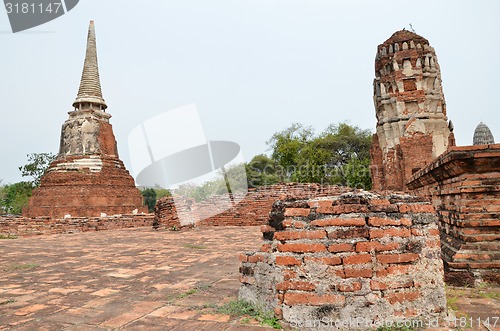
x=87, y=178
x=412, y=127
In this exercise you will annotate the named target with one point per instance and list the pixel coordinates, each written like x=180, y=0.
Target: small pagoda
x=87, y=179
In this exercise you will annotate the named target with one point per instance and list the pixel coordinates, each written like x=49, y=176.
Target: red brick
x=320, y=203
x=243, y=258
x=357, y=259
x=335, y=248
x=416, y=208
x=417, y=232
x=297, y=285
x=380, y=202
x=392, y=232
x=278, y=312
x=377, y=285
x=434, y=232
x=402, y=296
x=291, y=212
x=266, y=248
x=287, y=260
x=368, y=246
x=349, y=233
x=266, y=228
x=247, y=280
x=343, y=209
x=406, y=221
x=301, y=247
x=410, y=312
x=289, y=274
x=353, y=287
x=394, y=270
x=354, y=273
x=433, y=244
x=379, y=221
x=397, y=258
x=313, y=299
x=299, y=224
x=255, y=258
x=293, y=235
x=339, y=222
x=331, y=260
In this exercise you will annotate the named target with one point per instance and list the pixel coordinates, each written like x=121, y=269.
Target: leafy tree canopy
x=339, y=155
x=36, y=166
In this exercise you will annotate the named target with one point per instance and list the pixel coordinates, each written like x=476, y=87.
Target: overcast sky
x=252, y=67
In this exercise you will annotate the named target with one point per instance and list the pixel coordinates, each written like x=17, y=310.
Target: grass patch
x=7, y=302
x=24, y=266
x=203, y=286
x=193, y=246
x=8, y=236
x=244, y=308
x=486, y=290
x=186, y=294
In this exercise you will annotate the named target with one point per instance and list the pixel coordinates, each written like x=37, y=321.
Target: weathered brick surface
x=374, y=265
x=412, y=127
x=25, y=227
x=464, y=186
x=252, y=210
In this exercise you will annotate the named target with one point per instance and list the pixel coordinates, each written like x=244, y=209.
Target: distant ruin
x=87, y=179
x=412, y=127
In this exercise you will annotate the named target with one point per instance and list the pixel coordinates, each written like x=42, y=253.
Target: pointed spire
x=90, y=86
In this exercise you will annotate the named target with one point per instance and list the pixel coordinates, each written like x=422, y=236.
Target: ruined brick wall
x=252, y=210
x=25, y=227
x=464, y=185
x=412, y=127
x=166, y=214
x=357, y=255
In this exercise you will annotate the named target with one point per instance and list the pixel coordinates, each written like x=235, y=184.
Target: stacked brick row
x=357, y=255
x=24, y=227
x=251, y=211
x=166, y=214
x=464, y=185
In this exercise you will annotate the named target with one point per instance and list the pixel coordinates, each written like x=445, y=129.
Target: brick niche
x=356, y=255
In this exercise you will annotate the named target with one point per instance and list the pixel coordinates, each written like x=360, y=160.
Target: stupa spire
x=89, y=93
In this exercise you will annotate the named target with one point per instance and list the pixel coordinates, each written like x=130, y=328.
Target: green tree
x=149, y=195
x=161, y=192
x=16, y=197
x=357, y=173
x=287, y=146
x=261, y=170
x=37, y=166
x=339, y=155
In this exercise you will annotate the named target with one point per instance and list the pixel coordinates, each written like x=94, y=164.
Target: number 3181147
x=32, y=8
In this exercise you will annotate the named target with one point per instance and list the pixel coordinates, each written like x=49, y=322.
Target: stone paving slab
x=133, y=279
x=142, y=279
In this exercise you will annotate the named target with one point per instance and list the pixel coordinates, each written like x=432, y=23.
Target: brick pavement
x=135, y=279
x=141, y=279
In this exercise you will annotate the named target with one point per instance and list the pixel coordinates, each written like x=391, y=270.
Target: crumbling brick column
x=357, y=255
x=464, y=185
x=412, y=125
